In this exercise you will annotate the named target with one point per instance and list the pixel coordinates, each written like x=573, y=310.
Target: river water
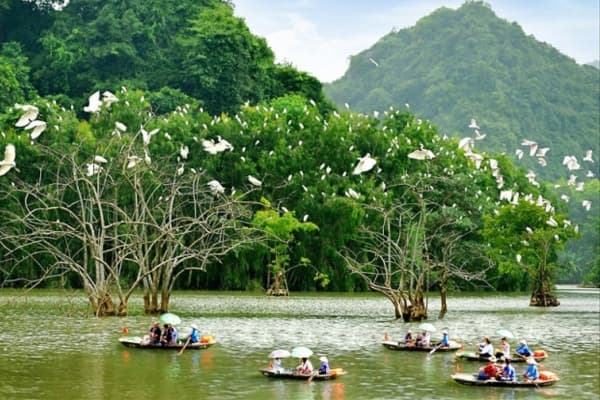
x=53, y=349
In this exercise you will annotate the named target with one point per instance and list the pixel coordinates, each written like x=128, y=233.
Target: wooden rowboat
x=400, y=346
x=472, y=356
x=291, y=374
x=139, y=343
x=471, y=379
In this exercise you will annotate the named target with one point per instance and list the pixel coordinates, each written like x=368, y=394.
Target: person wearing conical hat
x=531, y=373
x=324, y=367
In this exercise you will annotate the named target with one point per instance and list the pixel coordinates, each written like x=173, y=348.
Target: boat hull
x=472, y=356
x=334, y=374
x=139, y=343
x=471, y=380
x=399, y=346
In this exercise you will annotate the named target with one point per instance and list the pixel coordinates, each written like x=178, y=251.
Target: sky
x=319, y=36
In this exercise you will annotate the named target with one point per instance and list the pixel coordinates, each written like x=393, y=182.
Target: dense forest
x=454, y=65
x=175, y=154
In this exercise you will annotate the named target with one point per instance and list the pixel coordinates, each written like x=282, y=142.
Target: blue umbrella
x=169, y=318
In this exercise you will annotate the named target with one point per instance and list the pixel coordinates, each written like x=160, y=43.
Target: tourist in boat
x=166, y=335
x=324, y=367
x=419, y=341
x=523, y=350
x=508, y=371
x=490, y=371
x=277, y=366
x=408, y=338
x=305, y=367
x=504, y=349
x=485, y=348
x=531, y=373
x=445, y=342
x=194, y=336
x=155, y=333
x=174, y=334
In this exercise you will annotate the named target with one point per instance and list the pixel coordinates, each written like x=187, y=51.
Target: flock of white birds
x=29, y=121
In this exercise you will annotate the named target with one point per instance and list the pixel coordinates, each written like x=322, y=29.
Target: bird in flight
x=9, y=159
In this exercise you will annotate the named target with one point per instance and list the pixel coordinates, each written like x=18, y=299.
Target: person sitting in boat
x=277, y=366
x=305, y=367
x=324, y=367
x=419, y=341
x=408, y=338
x=166, y=335
x=426, y=339
x=531, y=373
x=194, y=336
x=490, y=371
x=445, y=342
x=523, y=350
x=485, y=348
x=173, y=334
x=508, y=371
x=155, y=333
x=504, y=349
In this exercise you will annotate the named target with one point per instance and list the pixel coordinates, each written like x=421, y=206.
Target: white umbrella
x=169, y=318
x=505, y=333
x=280, y=353
x=426, y=326
x=301, y=352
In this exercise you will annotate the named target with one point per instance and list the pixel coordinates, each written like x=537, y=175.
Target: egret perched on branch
x=364, y=164
x=31, y=113
x=473, y=124
x=254, y=181
x=588, y=156
x=9, y=159
x=94, y=103
x=216, y=187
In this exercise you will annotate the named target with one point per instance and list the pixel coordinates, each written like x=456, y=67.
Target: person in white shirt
x=305, y=367
x=485, y=348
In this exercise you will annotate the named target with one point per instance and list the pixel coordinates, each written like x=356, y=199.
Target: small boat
x=291, y=374
x=140, y=343
x=539, y=355
x=471, y=379
x=401, y=346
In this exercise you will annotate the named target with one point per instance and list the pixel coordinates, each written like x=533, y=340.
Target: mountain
x=454, y=65
x=594, y=64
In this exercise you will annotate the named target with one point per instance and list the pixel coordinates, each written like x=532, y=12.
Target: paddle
x=435, y=348
x=184, y=346
x=312, y=375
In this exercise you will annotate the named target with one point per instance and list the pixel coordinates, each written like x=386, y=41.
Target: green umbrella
x=169, y=318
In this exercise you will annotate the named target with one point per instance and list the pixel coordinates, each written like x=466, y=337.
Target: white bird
x=254, y=181
x=552, y=222
x=364, y=164
x=374, y=62
x=31, y=113
x=529, y=230
x=506, y=195
x=478, y=135
x=9, y=159
x=37, y=127
x=422, y=154
x=305, y=218
x=180, y=170
x=542, y=161
x=216, y=187
x=476, y=158
x=352, y=193
x=588, y=156
x=146, y=136
x=100, y=159
x=589, y=174
x=473, y=124
x=132, y=161
x=93, y=169
x=587, y=204
x=120, y=126
x=542, y=152
x=571, y=163
x=108, y=98
x=184, y=151
x=519, y=153
x=466, y=143
x=519, y=258
x=94, y=103
x=565, y=198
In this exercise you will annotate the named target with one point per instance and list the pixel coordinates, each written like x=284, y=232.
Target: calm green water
x=51, y=349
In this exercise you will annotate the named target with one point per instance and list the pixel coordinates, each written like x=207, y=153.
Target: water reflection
x=97, y=367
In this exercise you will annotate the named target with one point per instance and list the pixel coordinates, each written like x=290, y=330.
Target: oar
x=435, y=348
x=184, y=346
x=312, y=375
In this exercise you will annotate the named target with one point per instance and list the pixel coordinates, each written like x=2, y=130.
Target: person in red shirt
x=489, y=371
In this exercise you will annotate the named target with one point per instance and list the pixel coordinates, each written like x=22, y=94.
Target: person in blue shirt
x=531, y=373
x=194, y=335
x=508, y=371
x=445, y=340
x=523, y=350
x=324, y=367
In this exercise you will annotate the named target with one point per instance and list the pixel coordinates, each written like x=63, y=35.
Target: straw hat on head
x=445, y=332
x=323, y=359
